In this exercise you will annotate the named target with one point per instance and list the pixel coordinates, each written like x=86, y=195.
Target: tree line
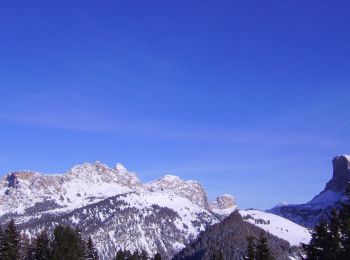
x=66, y=243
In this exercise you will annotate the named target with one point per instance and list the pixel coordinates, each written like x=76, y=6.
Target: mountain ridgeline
x=113, y=207
x=170, y=215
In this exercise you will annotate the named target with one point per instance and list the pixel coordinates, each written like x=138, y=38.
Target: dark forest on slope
x=230, y=238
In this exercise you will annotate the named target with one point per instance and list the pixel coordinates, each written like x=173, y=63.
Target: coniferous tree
x=262, y=249
x=335, y=237
x=25, y=248
x=30, y=252
x=134, y=256
x=91, y=252
x=250, y=248
x=67, y=244
x=157, y=256
x=11, y=243
x=218, y=255
x=2, y=242
x=144, y=255
x=42, y=246
x=319, y=246
x=331, y=241
x=344, y=215
x=127, y=254
x=120, y=255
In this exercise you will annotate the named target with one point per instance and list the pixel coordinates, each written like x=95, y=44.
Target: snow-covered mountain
x=111, y=205
x=22, y=192
x=320, y=206
x=156, y=222
x=117, y=209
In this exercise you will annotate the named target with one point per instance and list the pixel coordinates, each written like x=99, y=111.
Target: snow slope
x=278, y=226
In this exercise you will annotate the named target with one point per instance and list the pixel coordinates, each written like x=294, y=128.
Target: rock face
x=111, y=205
x=310, y=213
x=82, y=185
x=341, y=174
x=223, y=205
x=190, y=189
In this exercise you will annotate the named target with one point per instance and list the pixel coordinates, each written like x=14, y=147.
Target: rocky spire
x=341, y=174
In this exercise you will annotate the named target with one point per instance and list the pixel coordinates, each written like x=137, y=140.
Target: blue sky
x=248, y=97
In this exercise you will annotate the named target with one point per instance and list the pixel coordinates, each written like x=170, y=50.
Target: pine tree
x=67, y=244
x=157, y=256
x=319, y=245
x=335, y=238
x=262, y=249
x=218, y=255
x=250, y=248
x=11, y=245
x=120, y=255
x=2, y=242
x=344, y=215
x=91, y=252
x=144, y=255
x=30, y=252
x=42, y=247
x=331, y=241
x=134, y=256
x=128, y=254
x=25, y=247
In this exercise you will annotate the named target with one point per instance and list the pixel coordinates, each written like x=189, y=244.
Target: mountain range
x=113, y=206
x=169, y=215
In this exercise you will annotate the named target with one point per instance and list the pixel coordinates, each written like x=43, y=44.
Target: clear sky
x=248, y=97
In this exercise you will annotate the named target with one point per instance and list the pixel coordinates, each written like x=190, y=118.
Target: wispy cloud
x=172, y=131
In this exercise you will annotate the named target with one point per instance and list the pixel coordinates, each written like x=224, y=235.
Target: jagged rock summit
x=92, y=182
x=320, y=206
x=190, y=189
x=341, y=174
x=82, y=185
x=223, y=205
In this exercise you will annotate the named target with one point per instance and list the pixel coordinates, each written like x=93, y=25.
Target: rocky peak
x=22, y=175
x=223, y=205
x=89, y=168
x=190, y=189
x=120, y=168
x=341, y=174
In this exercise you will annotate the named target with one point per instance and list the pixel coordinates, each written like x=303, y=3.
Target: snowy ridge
x=114, y=207
x=82, y=185
x=163, y=215
x=278, y=226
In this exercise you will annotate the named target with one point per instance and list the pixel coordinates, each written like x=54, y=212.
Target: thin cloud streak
x=89, y=122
